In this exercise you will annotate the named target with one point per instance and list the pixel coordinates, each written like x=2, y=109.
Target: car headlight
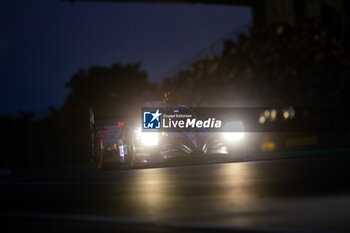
x=148, y=138
x=235, y=131
x=233, y=136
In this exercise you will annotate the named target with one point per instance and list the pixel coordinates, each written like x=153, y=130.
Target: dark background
x=43, y=43
x=107, y=56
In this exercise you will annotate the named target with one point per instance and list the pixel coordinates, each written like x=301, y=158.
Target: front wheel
x=131, y=154
x=100, y=156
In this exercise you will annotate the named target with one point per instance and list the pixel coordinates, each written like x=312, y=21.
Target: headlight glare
x=148, y=138
x=235, y=131
x=233, y=136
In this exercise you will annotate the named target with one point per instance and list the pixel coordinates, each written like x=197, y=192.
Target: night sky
x=43, y=43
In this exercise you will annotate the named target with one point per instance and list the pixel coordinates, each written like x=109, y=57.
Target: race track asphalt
x=305, y=194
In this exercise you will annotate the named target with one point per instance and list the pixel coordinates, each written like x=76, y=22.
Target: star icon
x=156, y=115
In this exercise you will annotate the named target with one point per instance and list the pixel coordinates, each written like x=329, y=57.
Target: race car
x=116, y=142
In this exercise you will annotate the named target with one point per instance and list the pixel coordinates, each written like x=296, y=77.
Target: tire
x=131, y=154
x=99, y=153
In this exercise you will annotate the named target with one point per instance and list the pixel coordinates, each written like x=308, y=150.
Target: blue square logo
x=152, y=120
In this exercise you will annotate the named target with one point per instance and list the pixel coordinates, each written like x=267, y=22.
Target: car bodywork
x=119, y=143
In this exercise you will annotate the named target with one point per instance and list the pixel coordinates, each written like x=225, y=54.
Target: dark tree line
x=62, y=137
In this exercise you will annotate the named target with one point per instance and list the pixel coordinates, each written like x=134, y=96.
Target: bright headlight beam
x=149, y=138
x=233, y=136
x=237, y=131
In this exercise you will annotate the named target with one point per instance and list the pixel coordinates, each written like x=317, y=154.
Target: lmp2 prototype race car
x=116, y=142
